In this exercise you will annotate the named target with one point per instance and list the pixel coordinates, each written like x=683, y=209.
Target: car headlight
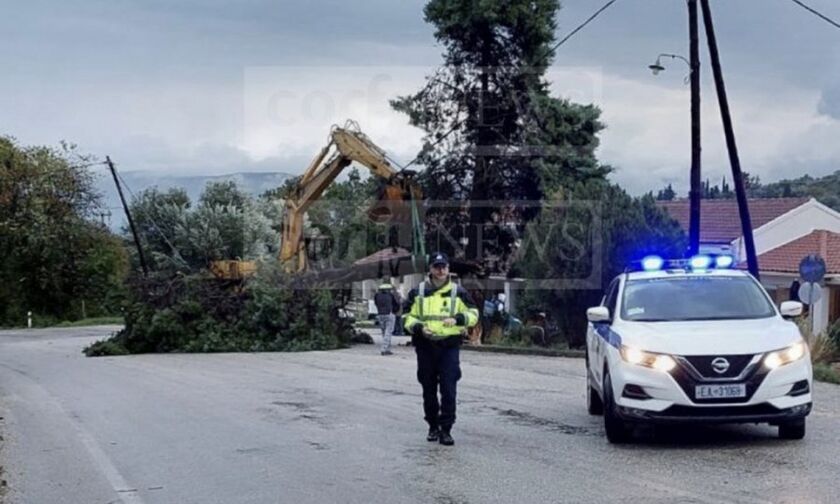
x=787, y=355
x=660, y=362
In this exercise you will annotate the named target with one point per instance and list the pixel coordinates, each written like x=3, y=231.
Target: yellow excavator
x=398, y=203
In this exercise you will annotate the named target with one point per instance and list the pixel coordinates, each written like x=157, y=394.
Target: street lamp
x=658, y=67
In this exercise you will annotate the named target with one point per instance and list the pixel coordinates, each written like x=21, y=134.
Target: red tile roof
x=719, y=222
x=383, y=255
x=786, y=258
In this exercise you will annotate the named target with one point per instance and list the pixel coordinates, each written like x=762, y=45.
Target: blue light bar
x=700, y=262
x=724, y=261
x=652, y=263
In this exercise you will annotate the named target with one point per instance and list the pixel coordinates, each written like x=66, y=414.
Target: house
x=386, y=264
x=785, y=230
x=720, y=226
x=396, y=265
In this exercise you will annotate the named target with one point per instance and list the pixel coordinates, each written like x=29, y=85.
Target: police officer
x=438, y=313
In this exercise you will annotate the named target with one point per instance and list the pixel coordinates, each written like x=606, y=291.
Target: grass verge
x=92, y=322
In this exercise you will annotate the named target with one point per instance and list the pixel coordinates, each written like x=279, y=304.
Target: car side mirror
x=598, y=314
x=791, y=309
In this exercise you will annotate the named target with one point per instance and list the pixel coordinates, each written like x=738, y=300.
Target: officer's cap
x=440, y=259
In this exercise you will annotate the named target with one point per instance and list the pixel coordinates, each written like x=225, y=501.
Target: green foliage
x=833, y=334
x=825, y=189
x=340, y=217
x=195, y=313
x=667, y=194
x=104, y=348
x=826, y=373
x=58, y=261
x=492, y=130
x=225, y=224
x=591, y=232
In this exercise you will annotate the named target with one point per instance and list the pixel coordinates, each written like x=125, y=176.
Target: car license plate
x=720, y=391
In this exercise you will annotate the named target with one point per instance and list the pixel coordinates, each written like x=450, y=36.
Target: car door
x=595, y=338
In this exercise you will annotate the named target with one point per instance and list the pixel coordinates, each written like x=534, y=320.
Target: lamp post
x=696, y=146
x=694, y=192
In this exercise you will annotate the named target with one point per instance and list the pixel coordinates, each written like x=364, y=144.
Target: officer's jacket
x=429, y=306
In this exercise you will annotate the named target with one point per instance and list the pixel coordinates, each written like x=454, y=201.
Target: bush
x=105, y=347
x=833, y=334
x=198, y=313
x=826, y=373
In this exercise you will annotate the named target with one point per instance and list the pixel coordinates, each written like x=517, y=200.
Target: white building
x=785, y=231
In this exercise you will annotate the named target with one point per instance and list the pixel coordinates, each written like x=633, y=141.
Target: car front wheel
x=616, y=429
x=593, y=401
x=792, y=430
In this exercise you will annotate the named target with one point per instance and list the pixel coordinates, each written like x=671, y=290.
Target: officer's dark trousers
x=438, y=365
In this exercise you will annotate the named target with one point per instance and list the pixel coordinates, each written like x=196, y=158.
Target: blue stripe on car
x=608, y=335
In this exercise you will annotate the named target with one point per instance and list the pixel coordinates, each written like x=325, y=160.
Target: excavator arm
x=346, y=145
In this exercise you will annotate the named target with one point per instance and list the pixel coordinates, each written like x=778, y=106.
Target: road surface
x=346, y=426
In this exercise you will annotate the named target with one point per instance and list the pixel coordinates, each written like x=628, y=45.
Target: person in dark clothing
x=387, y=307
x=438, y=313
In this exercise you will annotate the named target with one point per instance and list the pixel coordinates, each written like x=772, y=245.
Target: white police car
x=692, y=341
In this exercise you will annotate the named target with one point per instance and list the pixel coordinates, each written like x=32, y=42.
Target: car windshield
x=694, y=298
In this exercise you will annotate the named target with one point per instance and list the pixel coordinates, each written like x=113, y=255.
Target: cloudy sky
x=213, y=87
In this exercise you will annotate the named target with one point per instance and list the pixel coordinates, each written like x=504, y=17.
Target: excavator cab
x=395, y=199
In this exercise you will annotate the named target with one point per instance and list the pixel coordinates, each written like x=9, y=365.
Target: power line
x=583, y=25
x=817, y=13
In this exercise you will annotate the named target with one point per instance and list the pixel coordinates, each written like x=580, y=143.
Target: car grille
x=703, y=365
x=688, y=382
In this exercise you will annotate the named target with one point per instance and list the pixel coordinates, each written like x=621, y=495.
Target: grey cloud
x=829, y=104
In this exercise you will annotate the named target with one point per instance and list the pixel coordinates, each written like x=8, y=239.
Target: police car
x=694, y=341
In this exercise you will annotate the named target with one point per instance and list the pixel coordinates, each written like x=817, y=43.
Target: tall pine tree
x=493, y=131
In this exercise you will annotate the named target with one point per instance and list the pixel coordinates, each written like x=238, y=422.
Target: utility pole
x=732, y=147
x=696, y=148
x=128, y=215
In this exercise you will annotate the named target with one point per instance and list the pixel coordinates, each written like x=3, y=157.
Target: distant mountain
x=136, y=181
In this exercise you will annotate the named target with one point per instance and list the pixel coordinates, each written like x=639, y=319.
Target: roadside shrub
x=826, y=373
x=199, y=313
x=825, y=346
x=105, y=347
x=833, y=333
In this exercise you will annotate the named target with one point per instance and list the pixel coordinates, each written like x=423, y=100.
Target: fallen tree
x=272, y=311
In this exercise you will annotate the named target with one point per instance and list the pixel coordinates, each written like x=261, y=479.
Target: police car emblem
x=720, y=365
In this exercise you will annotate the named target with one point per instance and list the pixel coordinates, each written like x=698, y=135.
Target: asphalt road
x=346, y=426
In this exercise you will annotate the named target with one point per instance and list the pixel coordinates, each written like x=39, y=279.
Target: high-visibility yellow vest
x=432, y=308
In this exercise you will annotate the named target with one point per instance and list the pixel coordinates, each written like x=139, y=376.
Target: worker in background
x=387, y=307
x=438, y=313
